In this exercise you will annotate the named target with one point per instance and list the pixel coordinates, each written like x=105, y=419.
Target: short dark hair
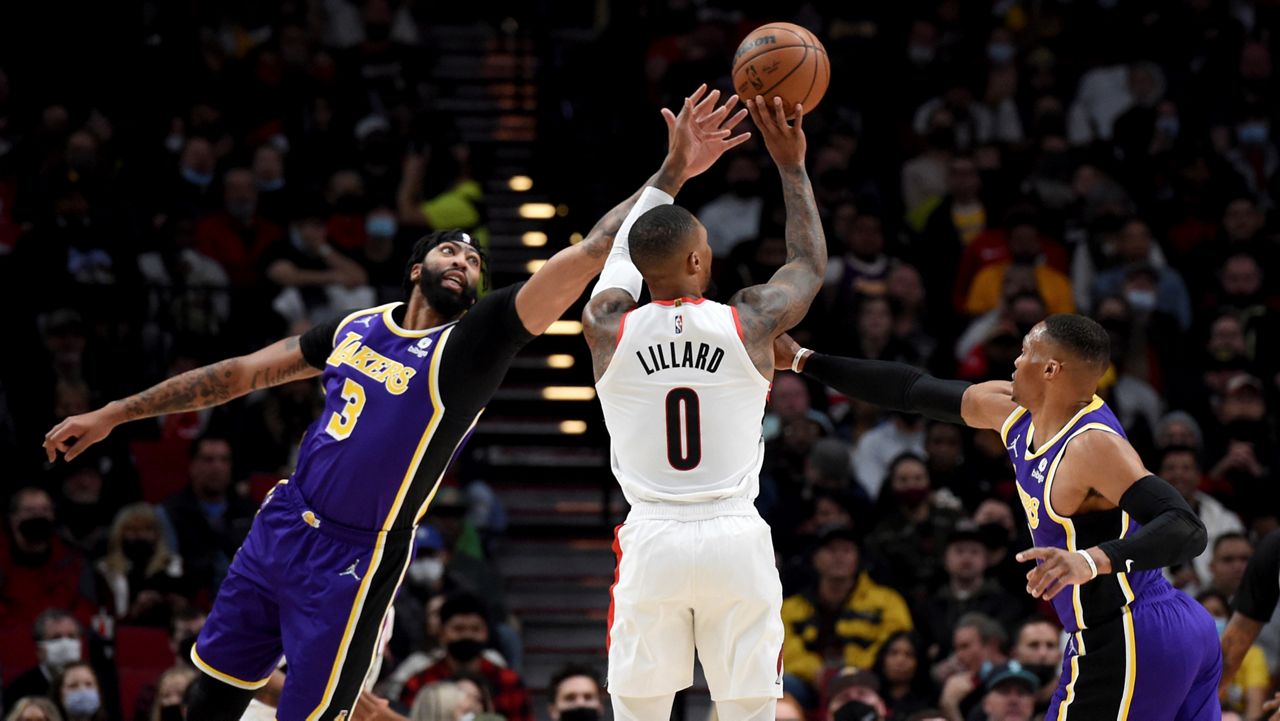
x=1029, y=622
x=431, y=240
x=658, y=234
x=987, y=627
x=184, y=614
x=463, y=604
x=568, y=671
x=1175, y=450
x=46, y=617
x=1080, y=335
x=194, y=448
x=1229, y=536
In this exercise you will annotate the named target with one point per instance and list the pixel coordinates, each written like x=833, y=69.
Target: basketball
x=785, y=60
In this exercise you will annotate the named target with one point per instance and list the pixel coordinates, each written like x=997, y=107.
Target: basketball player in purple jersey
x=404, y=385
x=1104, y=526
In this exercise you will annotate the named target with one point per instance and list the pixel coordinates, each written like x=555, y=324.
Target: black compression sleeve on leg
x=896, y=386
x=1171, y=532
x=209, y=699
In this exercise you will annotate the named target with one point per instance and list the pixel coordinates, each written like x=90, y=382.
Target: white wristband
x=795, y=362
x=1093, y=567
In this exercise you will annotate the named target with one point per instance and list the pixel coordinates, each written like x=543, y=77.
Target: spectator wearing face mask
x=464, y=635
x=1246, y=690
x=382, y=255
x=575, y=694
x=38, y=569
x=238, y=237
x=59, y=643
x=170, y=690
x=734, y=216
x=141, y=577
x=77, y=692
x=1137, y=248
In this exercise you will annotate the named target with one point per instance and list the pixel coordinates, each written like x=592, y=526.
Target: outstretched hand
x=86, y=429
x=786, y=143
x=702, y=132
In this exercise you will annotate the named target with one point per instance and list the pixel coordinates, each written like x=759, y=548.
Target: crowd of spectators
x=978, y=167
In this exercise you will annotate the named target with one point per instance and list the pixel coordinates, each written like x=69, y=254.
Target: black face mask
x=993, y=535
x=36, y=530
x=464, y=650
x=855, y=711
x=1046, y=672
x=446, y=302
x=137, y=550
x=580, y=713
x=171, y=713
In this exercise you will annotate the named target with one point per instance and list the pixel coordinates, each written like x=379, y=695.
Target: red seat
x=17, y=652
x=162, y=467
x=142, y=654
x=143, y=647
x=260, y=484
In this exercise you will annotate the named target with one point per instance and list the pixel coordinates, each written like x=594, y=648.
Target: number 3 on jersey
x=342, y=423
x=684, y=432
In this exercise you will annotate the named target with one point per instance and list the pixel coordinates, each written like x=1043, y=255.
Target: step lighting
x=533, y=265
x=573, y=428
x=565, y=327
x=568, y=393
x=520, y=183
x=537, y=211
x=534, y=239
x=559, y=360
x=575, y=238
x=562, y=210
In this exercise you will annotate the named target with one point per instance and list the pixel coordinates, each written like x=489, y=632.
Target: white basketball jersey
x=684, y=403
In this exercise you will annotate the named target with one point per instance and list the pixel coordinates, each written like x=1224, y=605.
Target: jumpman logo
x=351, y=571
x=365, y=321
x=1014, y=446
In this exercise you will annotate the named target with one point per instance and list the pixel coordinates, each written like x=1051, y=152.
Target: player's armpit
x=765, y=310
x=987, y=405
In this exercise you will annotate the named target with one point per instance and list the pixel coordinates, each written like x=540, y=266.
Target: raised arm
x=211, y=385
x=696, y=138
x=770, y=309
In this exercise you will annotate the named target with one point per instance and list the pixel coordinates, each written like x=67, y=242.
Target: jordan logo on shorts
x=351, y=571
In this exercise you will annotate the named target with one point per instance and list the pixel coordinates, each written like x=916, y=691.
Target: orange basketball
x=784, y=60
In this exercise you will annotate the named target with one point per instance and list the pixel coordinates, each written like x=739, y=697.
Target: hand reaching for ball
x=702, y=132
x=785, y=142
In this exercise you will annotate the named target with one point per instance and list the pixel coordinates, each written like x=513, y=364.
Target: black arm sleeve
x=317, y=343
x=480, y=349
x=1171, y=532
x=896, y=386
x=1260, y=588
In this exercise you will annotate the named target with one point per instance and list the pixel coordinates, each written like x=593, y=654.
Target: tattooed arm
x=211, y=385
x=766, y=311
x=696, y=138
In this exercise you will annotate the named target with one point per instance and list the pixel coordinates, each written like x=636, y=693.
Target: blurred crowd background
x=181, y=182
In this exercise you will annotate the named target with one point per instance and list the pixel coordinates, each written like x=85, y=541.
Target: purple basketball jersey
x=1105, y=597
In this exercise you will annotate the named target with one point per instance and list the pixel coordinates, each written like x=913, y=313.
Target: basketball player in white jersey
x=683, y=382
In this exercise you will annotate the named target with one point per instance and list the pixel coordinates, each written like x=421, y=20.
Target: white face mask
x=426, y=571
x=59, y=652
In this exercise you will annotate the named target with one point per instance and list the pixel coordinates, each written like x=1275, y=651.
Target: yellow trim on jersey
x=422, y=510
x=1130, y=664
x=357, y=607
x=1075, y=675
x=1008, y=423
x=225, y=677
x=357, y=314
x=394, y=327
x=1065, y=521
x=1094, y=405
x=1123, y=577
x=433, y=386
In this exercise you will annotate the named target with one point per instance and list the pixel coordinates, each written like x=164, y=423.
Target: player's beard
x=448, y=303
